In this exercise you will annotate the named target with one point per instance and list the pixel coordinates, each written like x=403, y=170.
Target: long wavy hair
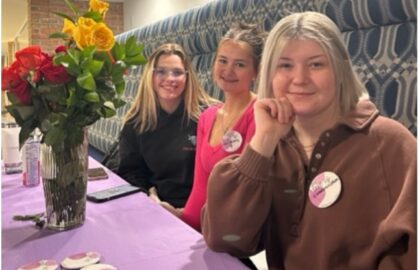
x=144, y=109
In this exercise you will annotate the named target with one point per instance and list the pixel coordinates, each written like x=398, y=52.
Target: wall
x=144, y=12
x=13, y=17
x=42, y=21
x=122, y=16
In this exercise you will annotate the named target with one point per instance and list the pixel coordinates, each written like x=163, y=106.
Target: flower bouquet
x=62, y=94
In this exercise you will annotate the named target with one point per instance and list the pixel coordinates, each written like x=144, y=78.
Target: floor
x=259, y=261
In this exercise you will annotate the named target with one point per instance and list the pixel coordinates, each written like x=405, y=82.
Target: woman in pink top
x=224, y=129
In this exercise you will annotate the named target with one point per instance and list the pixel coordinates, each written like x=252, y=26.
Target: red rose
x=21, y=91
x=31, y=57
x=12, y=80
x=61, y=48
x=54, y=74
x=10, y=76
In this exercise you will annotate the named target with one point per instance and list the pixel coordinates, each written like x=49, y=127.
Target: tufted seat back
x=380, y=35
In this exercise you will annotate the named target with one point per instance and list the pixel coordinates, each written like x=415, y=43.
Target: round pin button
x=325, y=189
x=231, y=141
x=40, y=265
x=99, y=266
x=80, y=260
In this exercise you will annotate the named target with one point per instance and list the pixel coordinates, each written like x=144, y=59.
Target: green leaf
x=86, y=81
x=105, y=85
x=72, y=99
x=24, y=135
x=88, y=52
x=107, y=112
x=91, y=97
x=64, y=16
x=45, y=125
x=56, y=118
x=72, y=7
x=73, y=69
x=55, y=93
x=74, y=54
x=118, y=51
x=94, y=15
x=59, y=35
x=104, y=57
x=132, y=48
x=109, y=105
x=54, y=135
x=22, y=113
x=12, y=98
x=68, y=62
x=136, y=60
x=93, y=67
x=118, y=103
x=120, y=87
x=28, y=217
x=25, y=112
x=118, y=70
x=90, y=119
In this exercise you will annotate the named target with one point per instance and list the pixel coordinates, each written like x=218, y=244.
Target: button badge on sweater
x=231, y=141
x=325, y=189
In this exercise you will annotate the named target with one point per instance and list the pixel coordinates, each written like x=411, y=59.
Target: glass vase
x=64, y=177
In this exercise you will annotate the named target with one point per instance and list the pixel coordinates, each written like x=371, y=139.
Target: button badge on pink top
x=325, y=189
x=231, y=141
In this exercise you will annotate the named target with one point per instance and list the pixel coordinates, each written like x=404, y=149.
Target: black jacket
x=163, y=158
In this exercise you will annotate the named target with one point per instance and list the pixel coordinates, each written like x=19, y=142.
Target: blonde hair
x=321, y=29
x=143, y=111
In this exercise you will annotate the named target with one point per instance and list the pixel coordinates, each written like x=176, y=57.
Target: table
x=130, y=233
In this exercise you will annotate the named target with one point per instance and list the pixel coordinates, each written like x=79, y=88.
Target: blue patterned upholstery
x=380, y=35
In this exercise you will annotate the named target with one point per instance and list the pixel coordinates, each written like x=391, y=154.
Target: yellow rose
x=98, y=6
x=68, y=27
x=81, y=37
x=82, y=33
x=86, y=22
x=102, y=37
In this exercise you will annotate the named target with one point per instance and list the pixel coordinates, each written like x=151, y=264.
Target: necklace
x=231, y=139
x=308, y=146
x=244, y=104
x=225, y=128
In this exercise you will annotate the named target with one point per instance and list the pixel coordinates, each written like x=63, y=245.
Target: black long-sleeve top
x=163, y=158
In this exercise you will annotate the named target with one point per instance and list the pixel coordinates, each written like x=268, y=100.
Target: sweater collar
x=361, y=116
x=357, y=119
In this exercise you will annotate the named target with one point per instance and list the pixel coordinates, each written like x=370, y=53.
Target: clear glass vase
x=64, y=177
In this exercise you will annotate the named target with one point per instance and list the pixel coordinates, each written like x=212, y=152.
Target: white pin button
x=40, y=265
x=231, y=141
x=80, y=260
x=325, y=189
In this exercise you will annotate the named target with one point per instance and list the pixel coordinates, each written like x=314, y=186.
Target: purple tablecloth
x=130, y=233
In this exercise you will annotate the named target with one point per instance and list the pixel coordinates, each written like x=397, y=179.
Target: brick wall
x=42, y=21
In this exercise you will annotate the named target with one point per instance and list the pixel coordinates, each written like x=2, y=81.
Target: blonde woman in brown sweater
x=326, y=182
